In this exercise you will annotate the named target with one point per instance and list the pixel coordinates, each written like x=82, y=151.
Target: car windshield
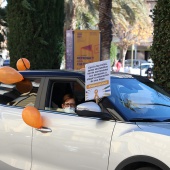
x=136, y=99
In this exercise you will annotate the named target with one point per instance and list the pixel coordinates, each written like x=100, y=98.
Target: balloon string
x=24, y=63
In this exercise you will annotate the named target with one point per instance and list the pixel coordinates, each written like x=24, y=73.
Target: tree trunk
x=123, y=52
x=105, y=26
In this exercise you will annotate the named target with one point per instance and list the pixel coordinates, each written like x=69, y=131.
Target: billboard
x=86, y=47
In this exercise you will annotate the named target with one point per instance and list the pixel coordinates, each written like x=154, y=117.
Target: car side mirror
x=91, y=109
x=32, y=117
x=90, y=106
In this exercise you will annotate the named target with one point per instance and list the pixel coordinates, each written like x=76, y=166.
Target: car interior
x=10, y=95
x=57, y=90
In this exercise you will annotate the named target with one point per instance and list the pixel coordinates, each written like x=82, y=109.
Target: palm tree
x=80, y=14
x=105, y=26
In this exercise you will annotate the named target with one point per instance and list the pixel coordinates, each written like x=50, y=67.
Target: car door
x=15, y=135
x=67, y=141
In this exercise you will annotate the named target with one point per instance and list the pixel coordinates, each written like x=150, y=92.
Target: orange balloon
x=23, y=64
x=9, y=75
x=32, y=117
x=24, y=86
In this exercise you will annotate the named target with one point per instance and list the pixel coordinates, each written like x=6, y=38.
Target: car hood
x=155, y=127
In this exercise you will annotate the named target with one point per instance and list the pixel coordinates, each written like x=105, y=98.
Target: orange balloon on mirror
x=32, y=117
x=23, y=64
x=24, y=86
x=9, y=75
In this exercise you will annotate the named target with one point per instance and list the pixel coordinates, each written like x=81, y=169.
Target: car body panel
x=15, y=139
x=75, y=143
x=130, y=140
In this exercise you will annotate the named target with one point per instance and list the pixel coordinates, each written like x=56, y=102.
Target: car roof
x=69, y=73
x=54, y=72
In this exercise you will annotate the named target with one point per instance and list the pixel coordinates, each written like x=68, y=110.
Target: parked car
x=129, y=130
x=6, y=62
x=135, y=62
x=142, y=69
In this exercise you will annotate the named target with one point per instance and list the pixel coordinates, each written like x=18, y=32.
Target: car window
x=58, y=88
x=20, y=94
x=138, y=99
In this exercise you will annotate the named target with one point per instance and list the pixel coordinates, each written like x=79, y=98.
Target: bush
x=160, y=51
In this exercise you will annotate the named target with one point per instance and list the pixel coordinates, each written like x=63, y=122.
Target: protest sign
x=97, y=80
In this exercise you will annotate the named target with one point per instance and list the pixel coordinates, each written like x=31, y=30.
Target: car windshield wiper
x=144, y=120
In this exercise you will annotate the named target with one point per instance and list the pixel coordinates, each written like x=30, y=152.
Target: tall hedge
x=36, y=32
x=160, y=50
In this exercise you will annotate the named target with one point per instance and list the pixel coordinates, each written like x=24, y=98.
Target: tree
x=105, y=27
x=160, y=52
x=131, y=23
x=80, y=14
x=36, y=32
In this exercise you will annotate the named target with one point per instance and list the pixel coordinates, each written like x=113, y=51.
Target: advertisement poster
x=69, y=50
x=97, y=80
x=86, y=47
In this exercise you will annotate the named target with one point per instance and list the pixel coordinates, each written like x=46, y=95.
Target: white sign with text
x=97, y=80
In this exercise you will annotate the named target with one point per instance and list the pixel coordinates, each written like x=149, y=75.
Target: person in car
x=68, y=104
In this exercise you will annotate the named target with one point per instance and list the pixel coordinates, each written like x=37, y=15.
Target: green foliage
x=85, y=20
x=36, y=32
x=160, y=51
x=113, y=52
x=80, y=14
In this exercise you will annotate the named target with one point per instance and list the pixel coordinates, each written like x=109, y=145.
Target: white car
x=129, y=130
x=134, y=63
x=140, y=70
